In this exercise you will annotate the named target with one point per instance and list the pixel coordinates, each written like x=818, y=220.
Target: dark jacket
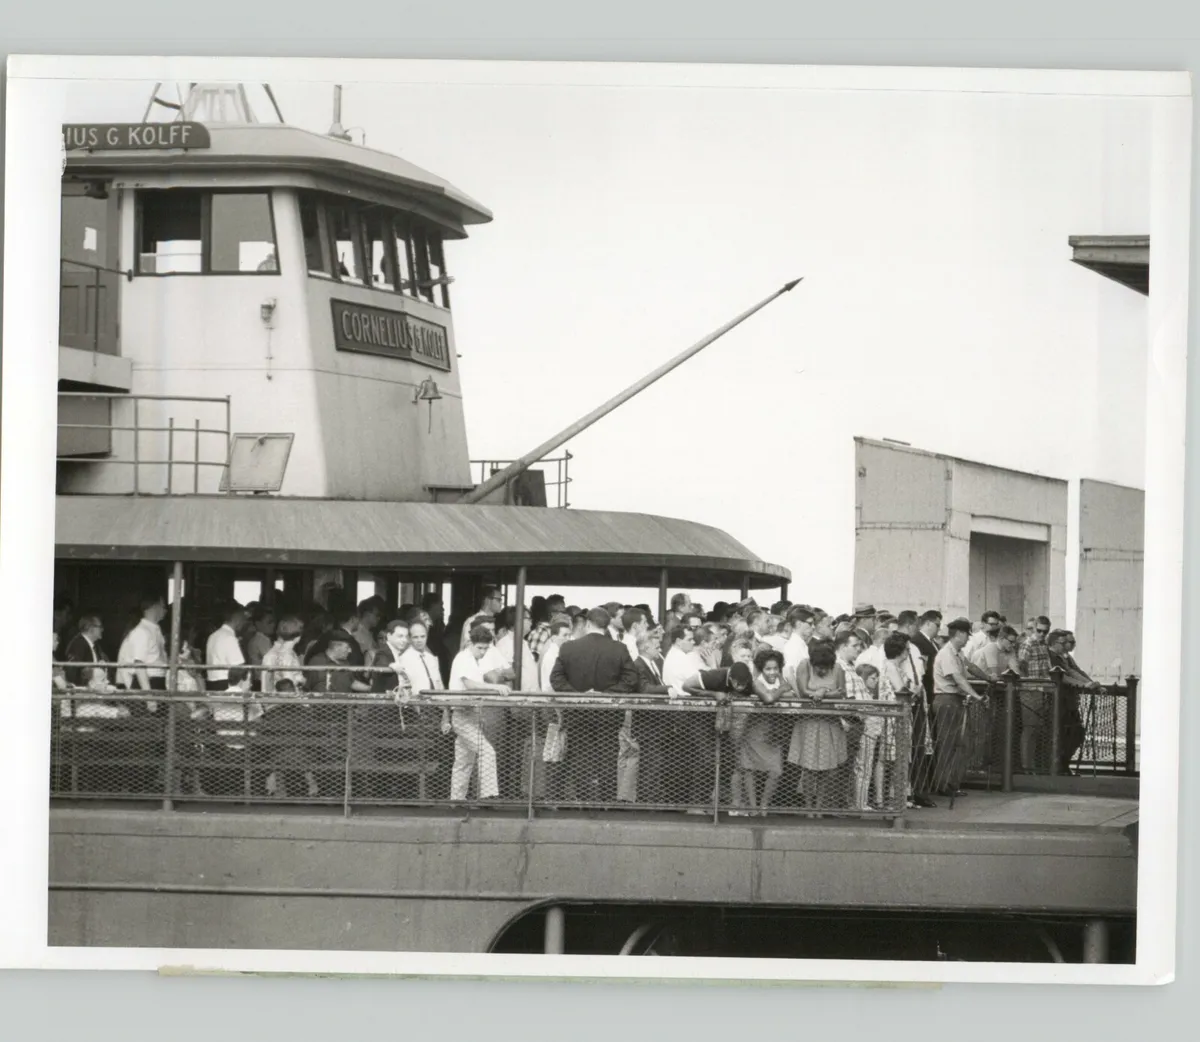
x=648, y=683
x=79, y=650
x=927, y=648
x=594, y=662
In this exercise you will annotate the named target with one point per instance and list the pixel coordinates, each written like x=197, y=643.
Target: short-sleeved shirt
x=990, y=656
x=143, y=644
x=948, y=663
x=466, y=667
x=223, y=650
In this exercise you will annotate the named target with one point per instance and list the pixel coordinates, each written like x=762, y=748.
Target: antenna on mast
x=211, y=103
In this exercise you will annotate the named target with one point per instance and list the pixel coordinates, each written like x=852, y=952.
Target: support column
x=172, y=684
x=519, y=628
x=745, y=587
x=662, y=596
x=556, y=931
x=1095, y=941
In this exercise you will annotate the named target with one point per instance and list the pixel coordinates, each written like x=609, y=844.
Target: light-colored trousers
x=472, y=749
x=864, y=769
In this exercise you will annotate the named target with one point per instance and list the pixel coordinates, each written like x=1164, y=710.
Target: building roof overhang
x=557, y=546
x=1122, y=258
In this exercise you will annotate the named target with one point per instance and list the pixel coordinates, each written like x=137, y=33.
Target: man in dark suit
x=594, y=663
x=653, y=729
x=922, y=764
x=84, y=648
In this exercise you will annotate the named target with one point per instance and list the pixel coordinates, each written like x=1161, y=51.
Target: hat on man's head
x=744, y=605
x=961, y=625
x=780, y=607
x=862, y=611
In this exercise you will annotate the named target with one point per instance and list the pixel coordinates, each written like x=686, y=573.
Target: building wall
x=930, y=528
x=1108, y=617
x=358, y=433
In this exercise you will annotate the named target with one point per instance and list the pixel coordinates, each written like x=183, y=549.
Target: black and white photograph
x=729, y=516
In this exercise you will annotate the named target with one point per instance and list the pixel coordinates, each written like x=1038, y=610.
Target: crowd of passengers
x=743, y=651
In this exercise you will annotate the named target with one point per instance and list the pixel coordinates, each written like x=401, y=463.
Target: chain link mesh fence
x=547, y=753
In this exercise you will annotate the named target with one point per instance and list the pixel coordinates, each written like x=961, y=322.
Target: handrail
x=624, y=751
x=137, y=429
x=127, y=272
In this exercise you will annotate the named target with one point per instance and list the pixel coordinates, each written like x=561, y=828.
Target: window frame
x=353, y=211
x=206, y=269
x=422, y=238
x=324, y=244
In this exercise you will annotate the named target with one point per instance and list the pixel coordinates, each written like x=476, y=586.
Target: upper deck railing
x=544, y=753
x=163, y=457
x=555, y=469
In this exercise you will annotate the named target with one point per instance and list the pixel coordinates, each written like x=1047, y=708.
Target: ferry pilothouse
x=237, y=297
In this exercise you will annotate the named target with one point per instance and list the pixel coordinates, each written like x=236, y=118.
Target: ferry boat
x=240, y=301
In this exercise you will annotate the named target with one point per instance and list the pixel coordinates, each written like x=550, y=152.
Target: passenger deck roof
x=557, y=546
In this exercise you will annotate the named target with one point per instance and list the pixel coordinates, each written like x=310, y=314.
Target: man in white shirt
x=144, y=651
x=560, y=633
x=505, y=647
x=224, y=650
x=681, y=662
x=795, y=650
x=420, y=664
x=989, y=631
x=874, y=655
x=634, y=625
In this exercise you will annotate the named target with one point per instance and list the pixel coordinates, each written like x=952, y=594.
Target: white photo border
x=37, y=90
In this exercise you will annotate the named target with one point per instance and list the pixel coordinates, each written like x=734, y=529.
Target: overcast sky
x=939, y=305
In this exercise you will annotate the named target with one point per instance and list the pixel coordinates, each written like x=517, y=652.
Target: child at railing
x=758, y=751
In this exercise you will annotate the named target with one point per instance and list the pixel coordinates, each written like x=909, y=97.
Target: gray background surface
x=1149, y=34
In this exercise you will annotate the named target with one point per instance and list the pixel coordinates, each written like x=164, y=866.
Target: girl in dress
x=758, y=752
x=819, y=742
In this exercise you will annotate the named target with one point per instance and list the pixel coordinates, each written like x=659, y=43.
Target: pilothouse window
x=172, y=232
x=372, y=245
x=186, y=231
x=242, y=236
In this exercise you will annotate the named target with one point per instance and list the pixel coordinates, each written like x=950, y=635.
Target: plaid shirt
x=1034, y=658
x=538, y=638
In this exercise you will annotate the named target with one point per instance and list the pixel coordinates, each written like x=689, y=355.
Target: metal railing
x=561, y=473
x=1046, y=727
x=175, y=435
x=526, y=752
x=91, y=304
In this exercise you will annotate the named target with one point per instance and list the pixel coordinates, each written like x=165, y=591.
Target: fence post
x=170, y=452
x=1131, y=685
x=196, y=462
x=173, y=680
x=169, y=759
x=533, y=754
x=349, y=760
x=1008, y=738
x=136, y=439
x=1056, y=676
x=716, y=793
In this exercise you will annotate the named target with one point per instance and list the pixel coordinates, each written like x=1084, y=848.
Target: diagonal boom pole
x=499, y=479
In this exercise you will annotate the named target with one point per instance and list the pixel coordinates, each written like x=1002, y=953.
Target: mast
x=499, y=479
